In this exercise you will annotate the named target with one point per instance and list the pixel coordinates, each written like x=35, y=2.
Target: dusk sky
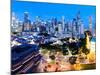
x=49, y=10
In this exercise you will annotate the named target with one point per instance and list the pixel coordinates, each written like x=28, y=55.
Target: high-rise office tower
x=66, y=27
x=63, y=23
x=74, y=30
x=53, y=24
x=94, y=32
x=43, y=26
x=78, y=25
x=38, y=23
x=47, y=25
x=20, y=23
x=70, y=28
x=49, y=22
x=60, y=28
x=82, y=28
x=26, y=23
x=54, y=21
x=90, y=23
x=14, y=23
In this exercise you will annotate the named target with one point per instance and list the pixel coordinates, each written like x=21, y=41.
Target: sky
x=49, y=10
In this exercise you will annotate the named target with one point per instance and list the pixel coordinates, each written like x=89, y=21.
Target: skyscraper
x=63, y=24
x=90, y=23
x=82, y=28
x=74, y=27
x=38, y=23
x=60, y=31
x=14, y=23
x=78, y=25
x=53, y=24
x=66, y=27
x=48, y=23
x=26, y=23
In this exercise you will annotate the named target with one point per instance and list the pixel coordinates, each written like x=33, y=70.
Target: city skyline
x=49, y=10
